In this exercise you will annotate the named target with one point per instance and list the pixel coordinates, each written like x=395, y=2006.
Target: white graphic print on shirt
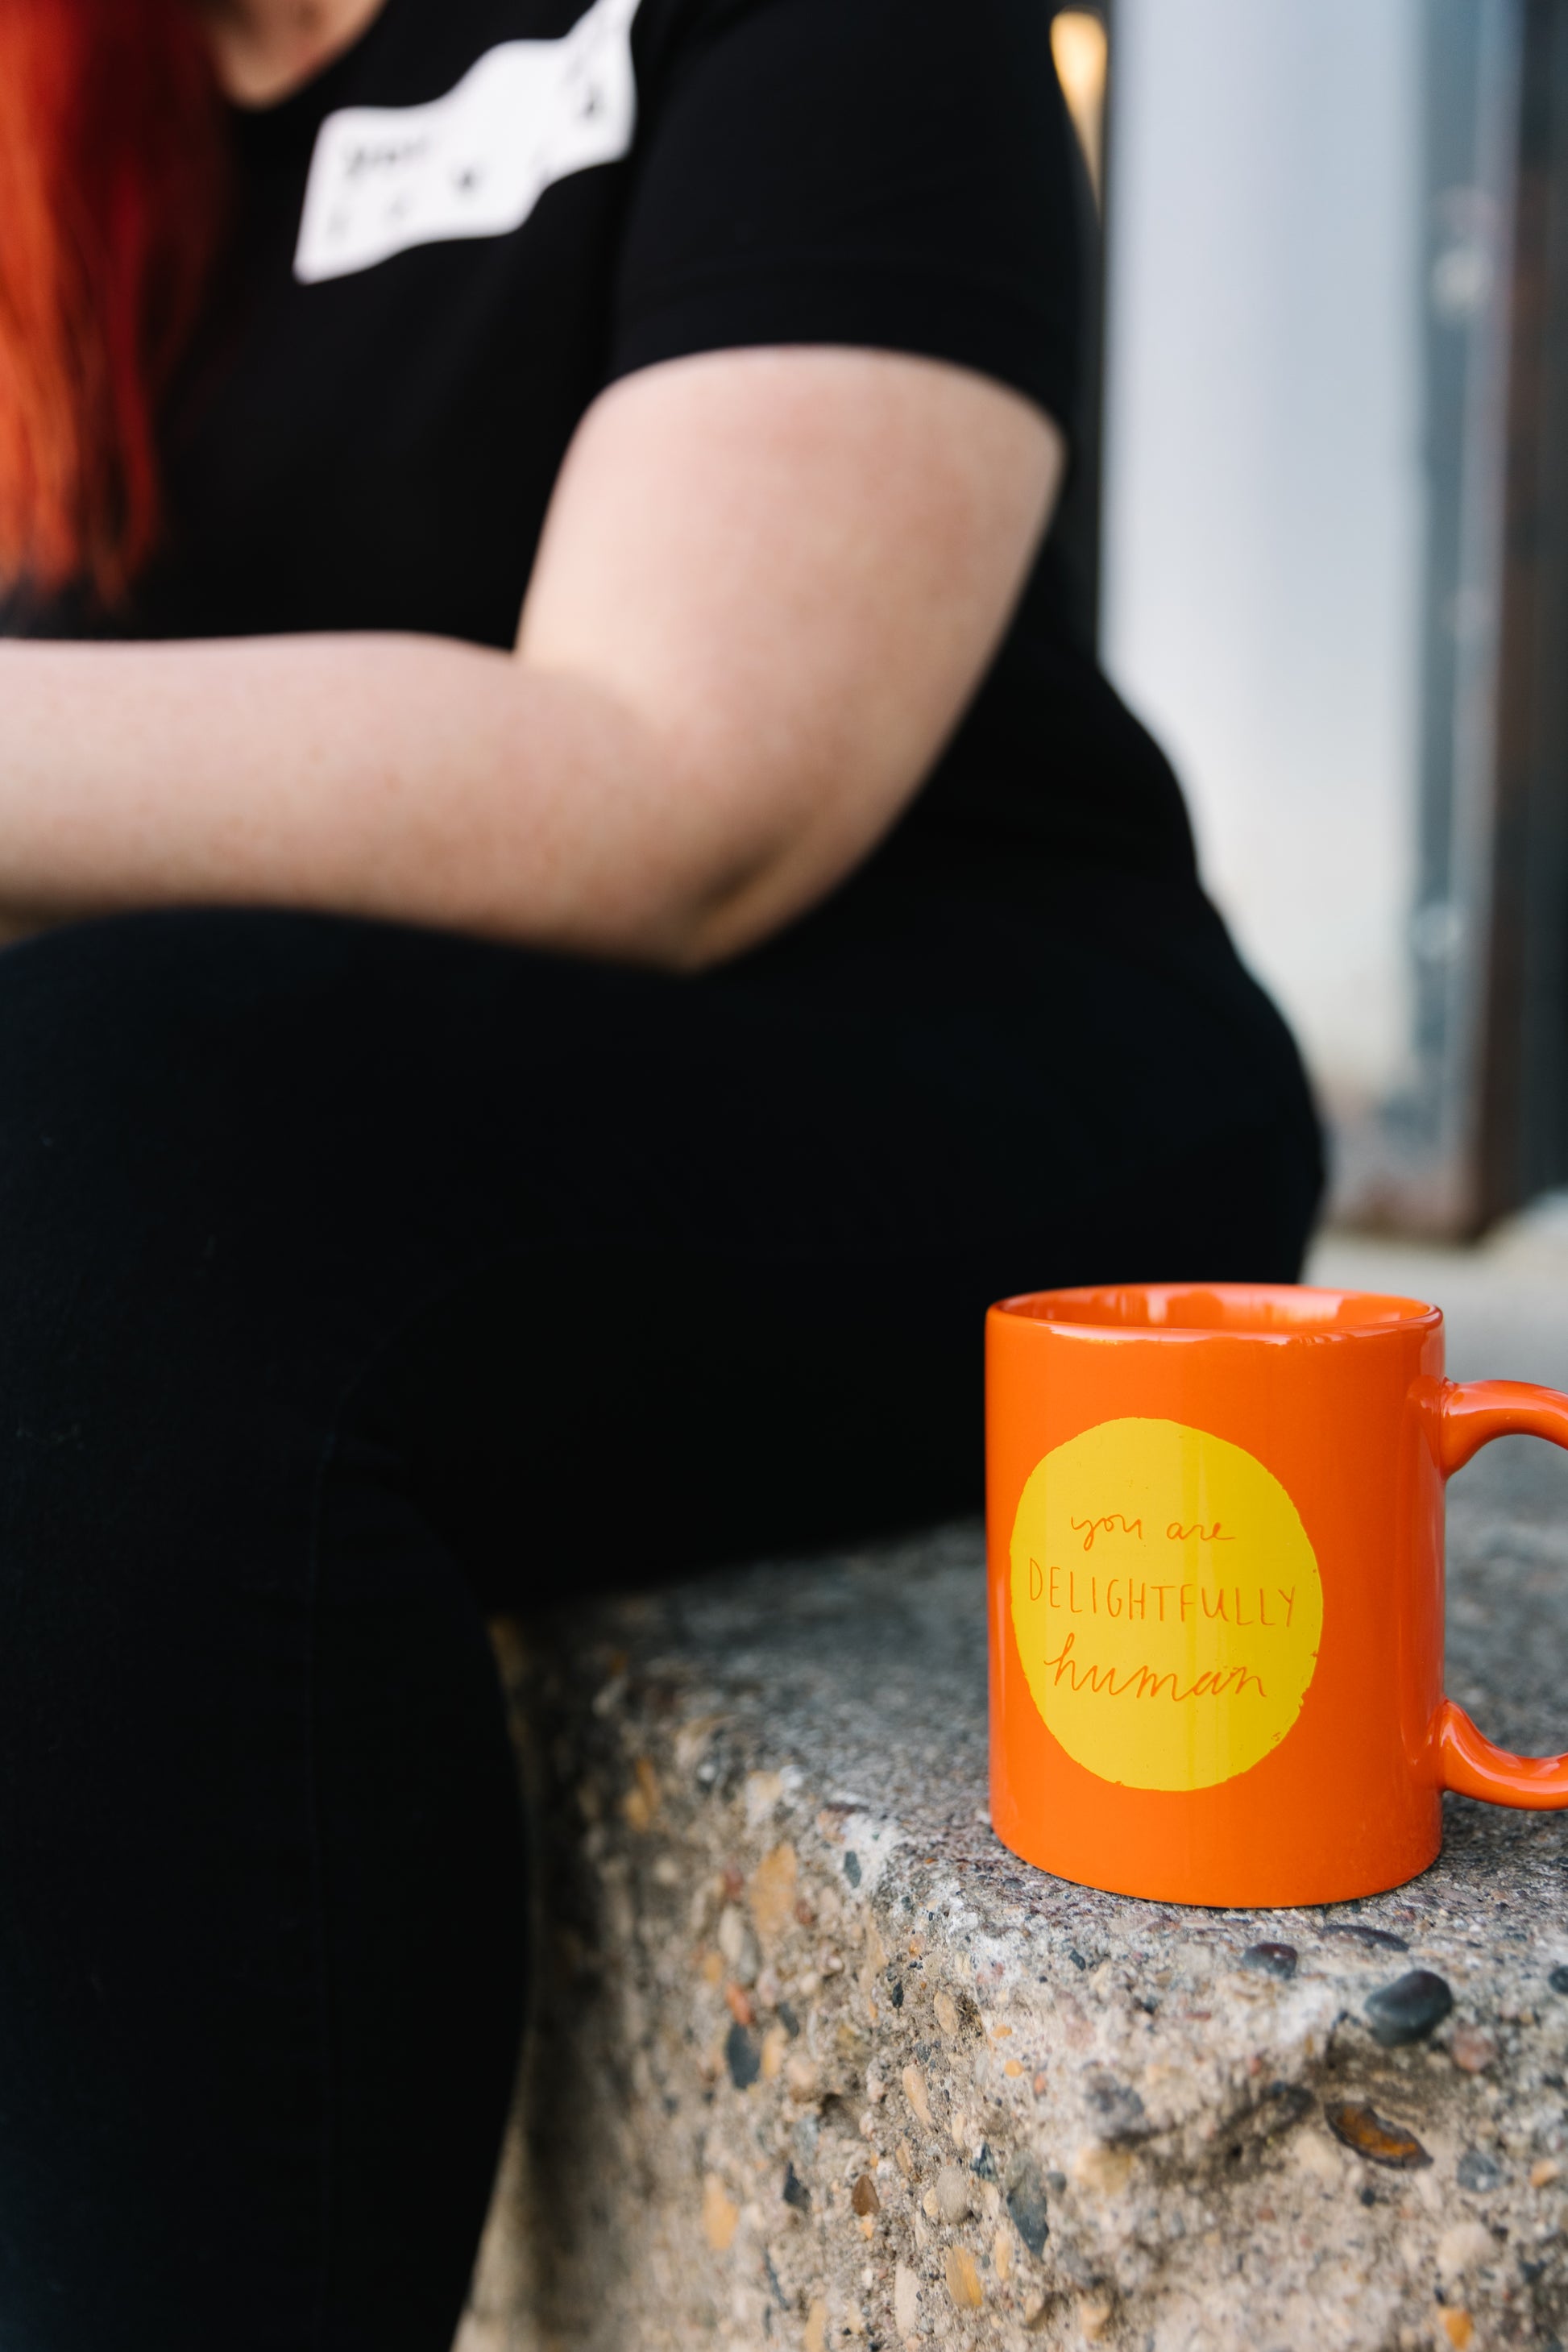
x=475, y=162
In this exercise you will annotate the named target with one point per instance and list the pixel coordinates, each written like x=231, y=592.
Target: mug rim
x=1271, y=1313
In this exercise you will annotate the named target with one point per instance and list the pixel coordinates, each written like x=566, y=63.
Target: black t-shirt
x=487, y=210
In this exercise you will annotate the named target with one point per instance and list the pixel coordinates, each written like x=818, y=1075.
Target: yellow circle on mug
x=1166, y=1603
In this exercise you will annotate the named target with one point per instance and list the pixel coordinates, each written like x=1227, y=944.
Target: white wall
x=1262, y=546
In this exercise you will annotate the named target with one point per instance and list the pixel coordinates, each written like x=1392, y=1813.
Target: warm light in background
x=1078, y=44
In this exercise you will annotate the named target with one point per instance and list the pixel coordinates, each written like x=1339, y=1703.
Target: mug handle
x=1472, y=1413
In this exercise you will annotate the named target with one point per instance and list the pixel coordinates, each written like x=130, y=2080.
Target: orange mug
x=1215, y=1540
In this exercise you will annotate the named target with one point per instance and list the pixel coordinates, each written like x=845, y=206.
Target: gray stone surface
x=816, y=2063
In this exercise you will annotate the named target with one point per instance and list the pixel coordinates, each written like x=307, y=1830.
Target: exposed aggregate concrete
x=817, y=2063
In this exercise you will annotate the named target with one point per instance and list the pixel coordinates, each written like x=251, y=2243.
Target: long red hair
x=111, y=183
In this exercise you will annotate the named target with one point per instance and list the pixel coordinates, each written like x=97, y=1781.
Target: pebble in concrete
x=1382, y=1939
x=1478, y=2171
x=1472, y=2049
x=1409, y=2008
x=950, y=2195
x=1117, y=2109
x=1375, y=2137
x=744, y=2057
x=1271, y=1960
x=1026, y=2205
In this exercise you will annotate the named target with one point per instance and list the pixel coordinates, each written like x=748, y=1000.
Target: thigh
x=755, y=1224
x=260, y=1174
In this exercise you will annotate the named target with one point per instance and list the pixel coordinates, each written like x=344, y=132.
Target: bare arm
x=769, y=582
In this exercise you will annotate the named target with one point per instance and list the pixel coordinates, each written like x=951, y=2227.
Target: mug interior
x=1267, y=1310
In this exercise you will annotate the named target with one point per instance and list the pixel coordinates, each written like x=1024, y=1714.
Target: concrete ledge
x=816, y=2063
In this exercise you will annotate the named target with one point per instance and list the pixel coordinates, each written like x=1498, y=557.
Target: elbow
x=709, y=920
x=711, y=926
x=688, y=940
x=682, y=926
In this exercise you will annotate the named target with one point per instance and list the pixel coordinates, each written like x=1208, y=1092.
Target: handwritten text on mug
x=1156, y=1675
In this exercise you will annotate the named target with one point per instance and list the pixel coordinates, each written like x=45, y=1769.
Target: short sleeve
x=896, y=173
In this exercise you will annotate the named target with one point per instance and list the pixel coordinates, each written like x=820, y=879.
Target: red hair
x=111, y=182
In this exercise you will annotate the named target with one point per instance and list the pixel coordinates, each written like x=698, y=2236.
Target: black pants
x=354, y=1281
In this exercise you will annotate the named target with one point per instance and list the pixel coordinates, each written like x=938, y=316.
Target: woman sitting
x=588, y=909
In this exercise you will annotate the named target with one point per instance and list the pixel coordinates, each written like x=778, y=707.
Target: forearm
x=401, y=777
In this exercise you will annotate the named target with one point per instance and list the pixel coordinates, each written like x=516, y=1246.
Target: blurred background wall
x=1333, y=523
x=1262, y=521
